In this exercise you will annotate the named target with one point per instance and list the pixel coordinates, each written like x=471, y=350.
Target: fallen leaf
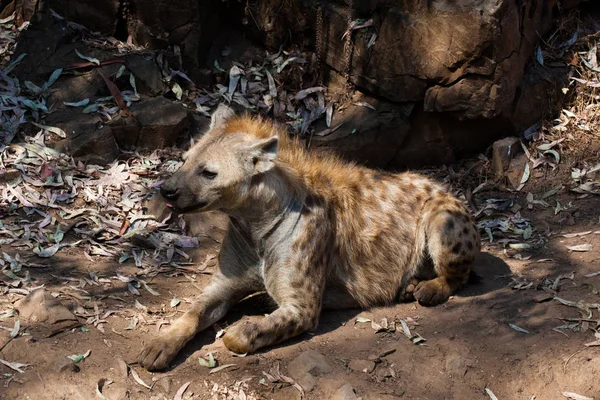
x=572, y=235
x=362, y=320
x=16, y=328
x=77, y=358
x=139, y=380
x=81, y=103
x=491, y=394
x=221, y=367
x=90, y=59
x=100, y=385
x=14, y=365
x=518, y=328
x=210, y=363
x=176, y=89
x=53, y=77
x=575, y=396
x=580, y=247
x=175, y=302
x=53, y=129
x=181, y=391
x=526, y=174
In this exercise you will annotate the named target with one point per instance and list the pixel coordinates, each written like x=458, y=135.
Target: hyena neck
x=272, y=206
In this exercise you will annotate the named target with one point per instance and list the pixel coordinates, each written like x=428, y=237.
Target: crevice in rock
x=123, y=15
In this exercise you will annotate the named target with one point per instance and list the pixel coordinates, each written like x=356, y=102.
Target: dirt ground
x=469, y=346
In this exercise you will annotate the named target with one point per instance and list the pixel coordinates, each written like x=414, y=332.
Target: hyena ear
x=263, y=153
x=221, y=115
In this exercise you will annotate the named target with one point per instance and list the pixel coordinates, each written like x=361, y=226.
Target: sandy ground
x=469, y=346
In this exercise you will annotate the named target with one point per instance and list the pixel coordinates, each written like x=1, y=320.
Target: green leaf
x=90, y=59
x=16, y=328
x=120, y=72
x=33, y=88
x=210, y=363
x=77, y=358
x=91, y=108
x=81, y=103
x=55, y=75
x=14, y=63
x=132, y=83
x=47, y=252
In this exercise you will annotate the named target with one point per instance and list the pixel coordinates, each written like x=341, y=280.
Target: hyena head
x=219, y=169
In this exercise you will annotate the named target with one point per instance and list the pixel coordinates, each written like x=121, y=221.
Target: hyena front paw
x=433, y=292
x=242, y=337
x=158, y=354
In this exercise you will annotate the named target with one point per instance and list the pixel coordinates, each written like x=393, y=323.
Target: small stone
x=346, y=392
x=123, y=368
x=162, y=122
x=65, y=364
x=456, y=366
x=306, y=366
x=503, y=151
x=541, y=298
x=384, y=373
x=40, y=307
x=147, y=74
x=365, y=366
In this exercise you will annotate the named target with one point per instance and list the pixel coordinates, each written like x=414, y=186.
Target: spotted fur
x=313, y=231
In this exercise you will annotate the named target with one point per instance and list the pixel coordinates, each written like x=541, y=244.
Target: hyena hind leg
x=452, y=244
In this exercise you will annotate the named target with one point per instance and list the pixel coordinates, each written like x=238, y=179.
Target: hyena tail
x=448, y=240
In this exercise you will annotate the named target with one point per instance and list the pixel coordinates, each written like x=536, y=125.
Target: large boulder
x=443, y=78
x=467, y=66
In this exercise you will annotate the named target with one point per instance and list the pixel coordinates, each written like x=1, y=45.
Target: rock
x=346, y=392
x=503, y=151
x=446, y=78
x=149, y=79
x=365, y=366
x=366, y=135
x=383, y=373
x=544, y=297
x=65, y=364
x=306, y=367
x=516, y=169
x=191, y=25
x=98, y=16
x=160, y=122
x=462, y=65
x=87, y=138
x=39, y=307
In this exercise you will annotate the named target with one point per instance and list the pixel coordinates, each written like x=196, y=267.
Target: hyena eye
x=208, y=174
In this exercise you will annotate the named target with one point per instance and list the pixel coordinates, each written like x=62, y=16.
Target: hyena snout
x=169, y=191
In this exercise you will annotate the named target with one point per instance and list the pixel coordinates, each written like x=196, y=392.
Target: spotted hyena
x=313, y=231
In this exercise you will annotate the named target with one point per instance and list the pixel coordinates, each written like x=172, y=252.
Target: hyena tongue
x=169, y=205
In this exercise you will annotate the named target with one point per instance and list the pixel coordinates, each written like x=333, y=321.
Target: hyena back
x=313, y=231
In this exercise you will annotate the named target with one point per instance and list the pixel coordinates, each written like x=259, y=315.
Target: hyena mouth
x=188, y=210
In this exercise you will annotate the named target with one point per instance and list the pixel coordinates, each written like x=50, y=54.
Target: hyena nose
x=169, y=193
